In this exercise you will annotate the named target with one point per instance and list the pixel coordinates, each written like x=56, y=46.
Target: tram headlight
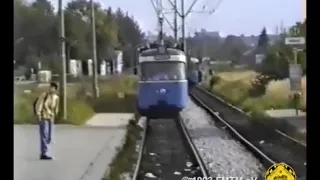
x=163, y=91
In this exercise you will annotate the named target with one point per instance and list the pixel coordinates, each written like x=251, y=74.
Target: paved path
x=113, y=120
x=290, y=116
x=81, y=153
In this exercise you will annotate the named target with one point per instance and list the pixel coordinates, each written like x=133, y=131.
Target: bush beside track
x=80, y=104
x=240, y=89
x=236, y=88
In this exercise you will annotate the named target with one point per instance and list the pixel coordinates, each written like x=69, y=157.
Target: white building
x=103, y=68
x=73, y=69
x=118, y=62
x=90, y=67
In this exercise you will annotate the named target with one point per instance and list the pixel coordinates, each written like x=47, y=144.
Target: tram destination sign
x=162, y=57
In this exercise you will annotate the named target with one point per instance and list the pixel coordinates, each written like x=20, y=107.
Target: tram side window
x=157, y=71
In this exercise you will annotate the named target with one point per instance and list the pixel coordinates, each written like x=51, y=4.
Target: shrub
x=214, y=80
x=120, y=84
x=251, y=104
x=80, y=107
x=259, y=104
x=78, y=112
x=259, y=85
x=278, y=89
x=235, y=91
x=23, y=111
x=245, y=76
x=237, y=87
x=114, y=102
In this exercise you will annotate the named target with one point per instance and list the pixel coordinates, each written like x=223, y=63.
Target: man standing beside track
x=46, y=109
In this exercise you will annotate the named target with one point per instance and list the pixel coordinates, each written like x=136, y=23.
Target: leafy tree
x=37, y=32
x=236, y=55
x=279, y=56
x=232, y=48
x=263, y=38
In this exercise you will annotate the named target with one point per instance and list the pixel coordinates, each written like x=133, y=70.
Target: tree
x=36, y=33
x=236, y=55
x=263, y=39
x=232, y=48
x=129, y=35
x=279, y=56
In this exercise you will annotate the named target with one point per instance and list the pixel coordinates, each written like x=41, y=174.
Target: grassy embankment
x=122, y=166
x=235, y=88
x=80, y=105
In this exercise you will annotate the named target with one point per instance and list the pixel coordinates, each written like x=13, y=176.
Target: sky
x=235, y=17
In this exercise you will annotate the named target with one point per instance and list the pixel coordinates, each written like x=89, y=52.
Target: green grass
x=125, y=159
x=23, y=111
x=116, y=95
x=113, y=102
x=234, y=88
x=78, y=112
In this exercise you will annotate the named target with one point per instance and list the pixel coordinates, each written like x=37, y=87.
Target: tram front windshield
x=160, y=71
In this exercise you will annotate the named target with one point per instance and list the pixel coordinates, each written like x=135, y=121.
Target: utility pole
x=160, y=11
x=63, y=79
x=183, y=16
x=204, y=46
x=175, y=22
x=161, y=40
x=95, y=87
x=158, y=7
x=183, y=29
x=160, y=20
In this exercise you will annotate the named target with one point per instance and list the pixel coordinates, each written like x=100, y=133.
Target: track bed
x=265, y=138
x=167, y=153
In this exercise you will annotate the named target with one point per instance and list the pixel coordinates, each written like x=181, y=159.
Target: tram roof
x=194, y=60
x=155, y=52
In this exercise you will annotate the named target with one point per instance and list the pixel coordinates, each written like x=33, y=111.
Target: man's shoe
x=44, y=157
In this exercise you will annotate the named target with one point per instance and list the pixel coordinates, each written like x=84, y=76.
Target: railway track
x=167, y=152
x=265, y=142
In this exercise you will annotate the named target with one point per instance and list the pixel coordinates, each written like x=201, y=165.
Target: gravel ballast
x=222, y=155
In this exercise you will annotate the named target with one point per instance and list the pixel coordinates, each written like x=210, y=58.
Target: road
x=80, y=152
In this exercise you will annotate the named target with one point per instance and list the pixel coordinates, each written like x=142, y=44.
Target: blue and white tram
x=194, y=72
x=163, y=86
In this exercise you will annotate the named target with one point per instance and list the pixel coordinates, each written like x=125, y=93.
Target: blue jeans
x=45, y=127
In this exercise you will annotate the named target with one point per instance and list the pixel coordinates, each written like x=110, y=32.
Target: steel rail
x=187, y=138
x=142, y=143
x=194, y=149
x=259, y=154
x=233, y=131
x=245, y=114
